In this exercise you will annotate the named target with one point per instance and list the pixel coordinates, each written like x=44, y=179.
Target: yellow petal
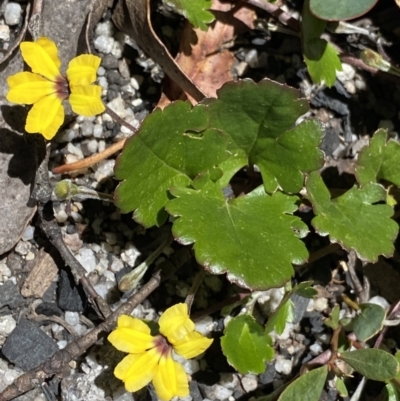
x=137, y=370
x=28, y=88
x=86, y=100
x=82, y=70
x=192, y=344
x=45, y=117
x=131, y=335
x=170, y=379
x=42, y=57
x=175, y=323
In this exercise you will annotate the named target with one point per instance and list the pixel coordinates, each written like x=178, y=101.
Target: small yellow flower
x=150, y=357
x=46, y=88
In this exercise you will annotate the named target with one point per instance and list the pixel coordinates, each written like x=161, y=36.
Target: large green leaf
x=196, y=11
x=321, y=57
x=340, y=10
x=374, y=364
x=253, y=238
x=171, y=148
x=307, y=387
x=260, y=118
x=354, y=219
x=246, y=346
x=379, y=160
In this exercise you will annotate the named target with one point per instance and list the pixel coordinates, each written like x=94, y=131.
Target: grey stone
x=10, y=296
x=69, y=297
x=28, y=346
x=109, y=62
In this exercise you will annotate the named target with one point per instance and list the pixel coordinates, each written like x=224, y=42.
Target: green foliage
x=246, y=345
x=340, y=10
x=259, y=120
x=309, y=385
x=258, y=232
x=333, y=320
x=369, y=322
x=379, y=160
x=354, y=219
x=374, y=364
x=321, y=57
x=196, y=11
x=277, y=321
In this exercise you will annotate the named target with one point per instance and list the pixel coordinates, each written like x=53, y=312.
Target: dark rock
x=114, y=77
x=69, y=296
x=10, y=296
x=109, y=62
x=195, y=391
x=268, y=376
x=48, y=309
x=28, y=346
x=112, y=92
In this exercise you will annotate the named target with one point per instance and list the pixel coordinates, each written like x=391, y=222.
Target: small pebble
x=104, y=169
x=12, y=13
x=283, y=365
x=104, y=28
x=72, y=318
x=4, y=33
x=7, y=325
x=111, y=238
x=130, y=254
x=98, y=131
x=104, y=44
x=22, y=248
x=87, y=128
x=191, y=366
x=67, y=135
x=28, y=233
x=30, y=256
x=205, y=325
x=249, y=383
x=229, y=380
x=87, y=259
x=320, y=304
x=315, y=349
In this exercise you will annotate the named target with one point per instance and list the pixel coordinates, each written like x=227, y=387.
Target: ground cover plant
x=231, y=172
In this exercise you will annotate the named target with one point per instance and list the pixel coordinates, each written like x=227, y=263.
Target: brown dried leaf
x=203, y=56
x=133, y=18
x=40, y=277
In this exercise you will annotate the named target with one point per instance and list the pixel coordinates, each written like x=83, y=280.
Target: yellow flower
x=150, y=357
x=46, y=88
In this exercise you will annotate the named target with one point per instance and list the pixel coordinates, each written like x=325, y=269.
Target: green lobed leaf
x=170, y=149
x=340, y=10
x=341, y=387
x=333, y=320
x=305, y=289
x=259, y=119
x=374, y=364
x=379, y=160
x=196, y=11
x=282, y=314
x=307, y=387
x=369, y=322
x=353, y=219
x=321, y=57
x=253, y=238
x=246, y=346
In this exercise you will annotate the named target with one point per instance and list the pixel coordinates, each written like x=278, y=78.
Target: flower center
x=62, y=88
x=162, y=345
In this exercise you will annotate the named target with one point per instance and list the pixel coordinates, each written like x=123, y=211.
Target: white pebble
x=98, y=131
x=104, y=169
x=61, y=216
x=191, y=366
x=62, y=344
x=136, y=102
x=118, y=106
x=74, y=150
x=10, y=376
x=249, y=383
x=104, y=44
x=4, y=33
x=217, y=392
x=229, y=380
x=12, y=13
x=347, y=74
x=104, y=28
x=320, y=304
x=28, y=233
x=101, y=71
x=87, y=128
x=205, y=325
x=117, y=50
x=101, y=146
x=87, y=259
x=7, y=325
x=72, y=318
x=315, y=349
x=130, y=254
x=22, y=248
x=30, y=256
x=116, y=265
x=283, y=365
x=102, y=81
x=4, y=270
